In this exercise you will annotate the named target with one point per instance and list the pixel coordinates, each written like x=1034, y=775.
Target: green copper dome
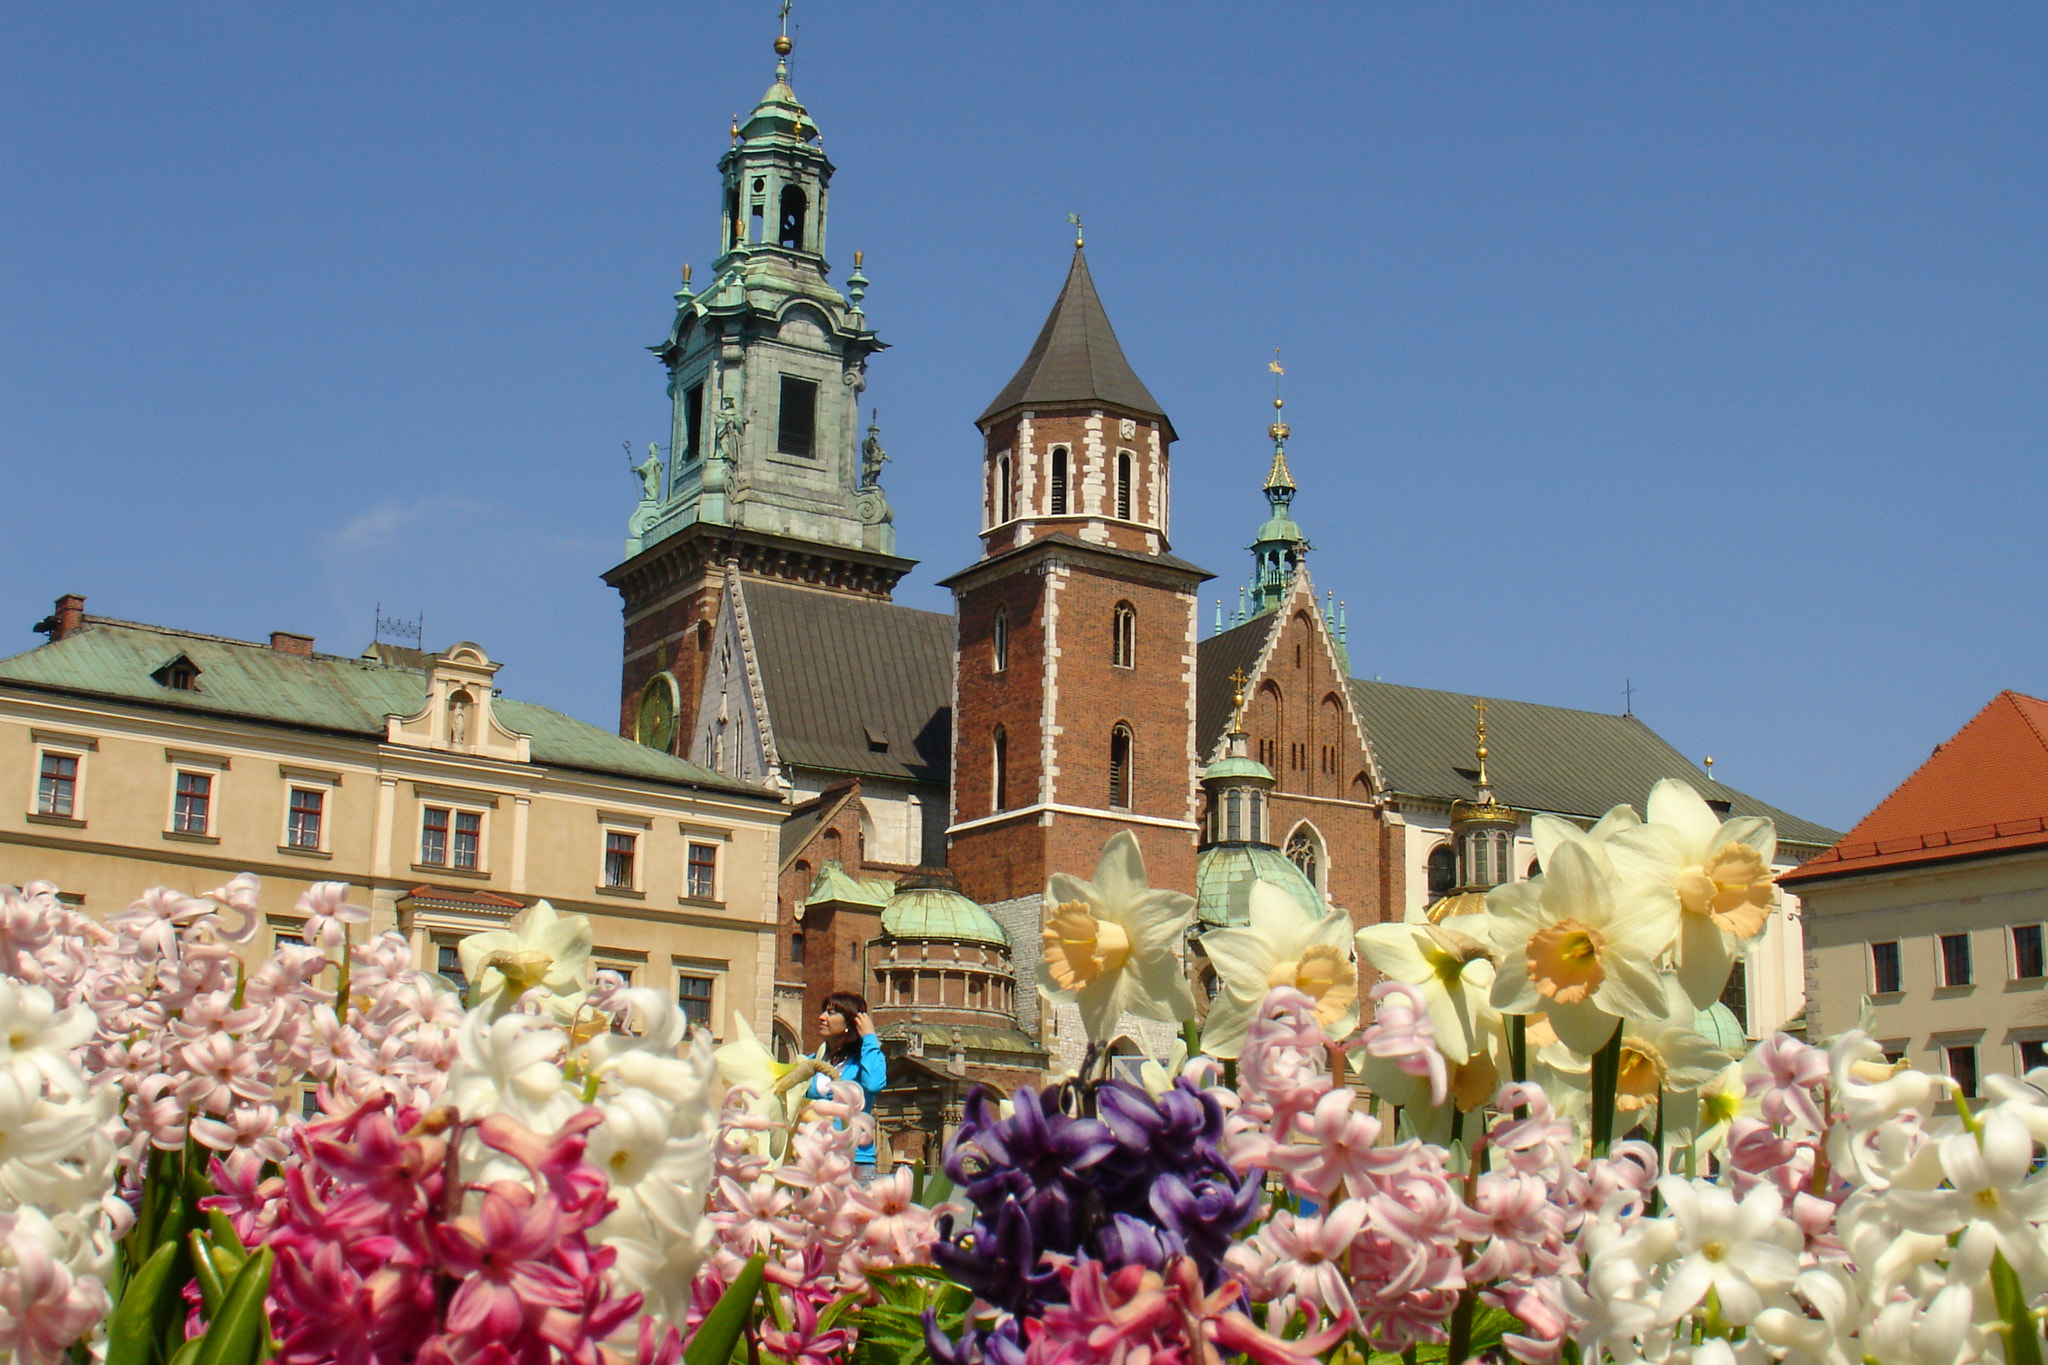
x=1224, y=876
x=936, y=913
x=1717, y=1024
x=1237, y=768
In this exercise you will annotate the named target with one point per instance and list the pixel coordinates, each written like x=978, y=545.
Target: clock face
x=658, y=718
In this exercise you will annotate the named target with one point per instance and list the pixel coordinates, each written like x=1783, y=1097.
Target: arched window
x=1123, y=485
x=1004, y=511
x=1255, y=831
x=999, y=640
x=1120, y=768
x=1443, y=871
x=1305, y=851
x=1123, y=636
x=1233, y=821
x=795, y=203
x=1058, y=505
x=999, y=747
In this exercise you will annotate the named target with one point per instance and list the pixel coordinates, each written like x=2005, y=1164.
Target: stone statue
x=458, y=720
x=725, y=434
x=872, y=456
x=649, y=471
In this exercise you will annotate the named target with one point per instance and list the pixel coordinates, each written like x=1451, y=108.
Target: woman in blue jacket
x=852, y=1047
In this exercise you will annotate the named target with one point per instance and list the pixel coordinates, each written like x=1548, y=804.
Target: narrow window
x=2033, y=1054
x=796, y=949
x=434, y=836
x=1004, y=511
x=193, y=804
x=1123, y=485
x=999, y=640
x=757, y=229
x=618, y=860
x=999, y=749
x=1962, y=1068
x=693, y=424
x=693, y=996
x=181, y=676
x=57, y=790
x=736, y=226
x=1301, y=851
x=448, y=962
x=1123, y=636
x=796, y=418
x=1735, y=995
x=703, y=872
x=2026, y=951
x=794, y=205
x=1233, y=823
x=1884, y=968
x=1120, y=768
x=302, y=822
x=1955, y=959
x=1059, y=481
x=469, y=830
x=1256, y=831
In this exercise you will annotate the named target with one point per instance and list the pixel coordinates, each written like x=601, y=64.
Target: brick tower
x=1074, y=687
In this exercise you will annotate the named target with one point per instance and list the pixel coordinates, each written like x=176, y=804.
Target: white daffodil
x=1281, y=945
x=1110, y=944
x=1723, y=1100
x=1664, y=1055
x=539, y=948
x=1716, y=872
x=1548, y=831
x=1451, y=964
x=1579, y=946
x=743, y=1064
x=1156, y=1073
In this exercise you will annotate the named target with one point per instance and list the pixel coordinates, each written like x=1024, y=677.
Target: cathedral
x=938, y=767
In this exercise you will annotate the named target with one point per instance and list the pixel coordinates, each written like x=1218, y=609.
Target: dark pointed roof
x=1076, y=359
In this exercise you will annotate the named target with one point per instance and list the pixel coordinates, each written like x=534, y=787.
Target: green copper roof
x=936, y=913
x=1717, y=1024
x=834, y=886
x=252, y=682
x=1224, y=877
x=1239, y=768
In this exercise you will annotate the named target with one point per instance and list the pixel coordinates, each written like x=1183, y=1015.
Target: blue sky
x=1697, y=346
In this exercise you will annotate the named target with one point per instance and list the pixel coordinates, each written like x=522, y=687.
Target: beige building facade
x=134, y=756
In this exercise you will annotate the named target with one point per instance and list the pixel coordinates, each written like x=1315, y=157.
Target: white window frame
x=213, y=767
x=691, y=842
x=712, y=969
x=636, y=827
x=307, y=779
x=2012, y=951
x=52, y=745
x=1870, y=965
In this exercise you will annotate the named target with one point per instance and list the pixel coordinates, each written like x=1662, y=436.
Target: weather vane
x=1075, y=219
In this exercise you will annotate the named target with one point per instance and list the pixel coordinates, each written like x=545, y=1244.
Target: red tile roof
x=1985, y=791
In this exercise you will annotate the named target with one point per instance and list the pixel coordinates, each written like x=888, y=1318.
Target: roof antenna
x=1075, y=219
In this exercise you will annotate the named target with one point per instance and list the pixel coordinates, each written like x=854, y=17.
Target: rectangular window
x=193, y=804
x=57, y=788
x=796, y=420
x=703, y=874
x=434, y=836
x=2026, y=951
x=693, y=420
x=1955, y=959
x=1962, y=1069
x=2033, y=1054
x=1884, y=968
x=448, y=962
x=1735, y=995
x=693, y=995
x=618, y=860
x=796, y=949
x=302, y=823
x=469, y=831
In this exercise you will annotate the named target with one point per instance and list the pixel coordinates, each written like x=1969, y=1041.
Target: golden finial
x=782, y=43
x=735, y=127
x=1075, y=219
x=1237, y=681
x=686, y=273
x=1278, y=431
x=1479, y=707
x=856, y=258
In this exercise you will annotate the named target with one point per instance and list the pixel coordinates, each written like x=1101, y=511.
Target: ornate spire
x=1281, y=547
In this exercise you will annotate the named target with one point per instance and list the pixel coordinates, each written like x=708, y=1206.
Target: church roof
x=1076, y=358
x=852, y=684
x=1984, y=791
x=252, y=682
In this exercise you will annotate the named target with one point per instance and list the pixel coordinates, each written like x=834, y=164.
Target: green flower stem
x=1518, y=1050
x=1460, y=1345
x=1606, y=1080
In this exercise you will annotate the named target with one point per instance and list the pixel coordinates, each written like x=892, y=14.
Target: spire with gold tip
x=1281, y=547
x=1483, y=834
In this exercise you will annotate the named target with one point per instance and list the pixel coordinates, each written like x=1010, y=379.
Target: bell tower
x=1074, y=690
x=767, y=471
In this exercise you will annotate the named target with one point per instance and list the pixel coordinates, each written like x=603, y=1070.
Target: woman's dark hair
x=849, y=1005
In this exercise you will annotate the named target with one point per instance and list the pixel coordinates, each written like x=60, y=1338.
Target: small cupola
x=1483, y=834
x=1236, y=787
x=1280, y=549
x=776, y=174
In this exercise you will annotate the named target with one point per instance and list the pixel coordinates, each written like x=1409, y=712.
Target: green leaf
x=223, y=1229
x=137, y=1320
x=184, y=1354
x=720, y=1331
x=235, y=1336
x=937, y=1190
x=2023, y=1339
x=211, y=1289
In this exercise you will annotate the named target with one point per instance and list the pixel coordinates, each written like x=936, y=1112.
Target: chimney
x=284, y=642
x=65, y=620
